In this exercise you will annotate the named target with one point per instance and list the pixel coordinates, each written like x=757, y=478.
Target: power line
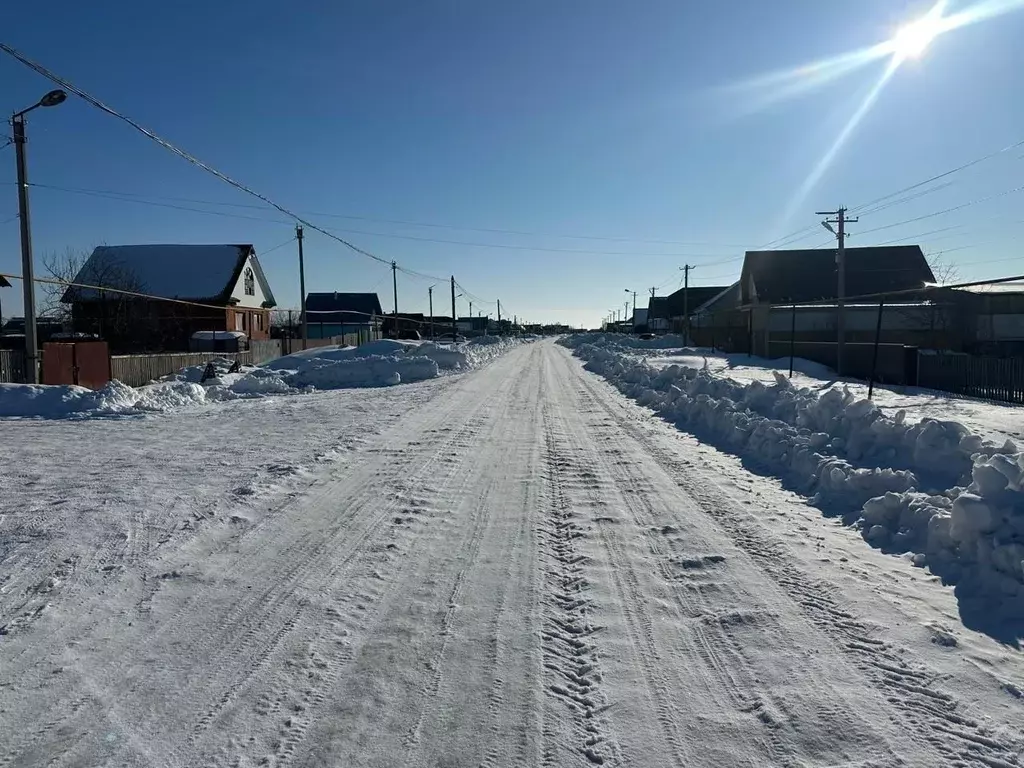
x=945, y=211
x=905, y=199
x=136, y=198
x=941, y=175
x=179, y=152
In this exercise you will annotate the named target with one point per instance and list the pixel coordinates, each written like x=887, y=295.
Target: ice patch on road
x=931, y=488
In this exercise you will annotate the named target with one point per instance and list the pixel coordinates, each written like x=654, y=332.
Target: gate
x=83, y=363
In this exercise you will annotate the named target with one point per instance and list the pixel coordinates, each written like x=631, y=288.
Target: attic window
x=250, y=282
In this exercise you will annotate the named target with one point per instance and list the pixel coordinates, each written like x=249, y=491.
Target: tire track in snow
x=245, y=623
x=334, y=667
x=313, y=561
x=932, y=715
x=570, y=654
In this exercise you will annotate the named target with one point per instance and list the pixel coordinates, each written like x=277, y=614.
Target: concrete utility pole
x=840, y=221
x=28, y=277
x=430, y=294
x=686, y=301
x=302, y=288
x=634, y=307
x=455, y=327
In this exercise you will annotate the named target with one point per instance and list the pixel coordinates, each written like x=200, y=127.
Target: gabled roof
x=781, y=277
x=337, y=307
x=192, y=272
x=678, y=303
x=4, y=283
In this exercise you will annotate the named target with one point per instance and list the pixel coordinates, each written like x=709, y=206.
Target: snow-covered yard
x=508, y=565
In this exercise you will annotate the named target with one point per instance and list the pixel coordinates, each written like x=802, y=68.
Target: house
x=793, y=294
x=667, y=313
x=473, y=325
x=801, y=276
x=335, y=314
x=184, y=289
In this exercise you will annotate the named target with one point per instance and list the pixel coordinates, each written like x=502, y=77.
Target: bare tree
x=945, y=271
x=109, y=311
x=63, y=267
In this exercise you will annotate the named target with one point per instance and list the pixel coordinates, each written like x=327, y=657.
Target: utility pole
x=652, y=289
x=686, y=302
x=28, y=278
x=394, y=286
x=840, y=221
x=455, y=327
x=430, y=294
x=499, y=315
x=470, y=308
x=302, y=288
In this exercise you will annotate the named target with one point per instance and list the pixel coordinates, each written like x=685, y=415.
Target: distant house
x=335, y=314
x=213, y=288
x=667, y=313
x=471, y=325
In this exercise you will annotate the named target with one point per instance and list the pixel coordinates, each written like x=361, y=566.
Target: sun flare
x=912, y=40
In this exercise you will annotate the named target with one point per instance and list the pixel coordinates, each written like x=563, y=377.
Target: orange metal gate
x=85, y=363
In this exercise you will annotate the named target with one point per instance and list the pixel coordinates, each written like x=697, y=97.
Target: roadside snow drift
x=379, y=363
x=931, y=488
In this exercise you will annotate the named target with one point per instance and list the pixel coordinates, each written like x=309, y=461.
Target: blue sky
x=597, y=118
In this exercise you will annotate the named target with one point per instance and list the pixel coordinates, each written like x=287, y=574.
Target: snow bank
x=932, y=488
x=377, y=364
x=61, y=402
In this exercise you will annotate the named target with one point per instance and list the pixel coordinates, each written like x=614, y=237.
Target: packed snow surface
x=516, y=566
x=376, y=364
x=930, y=486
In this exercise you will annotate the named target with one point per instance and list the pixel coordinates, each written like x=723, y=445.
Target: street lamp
x=634, y=307
x=51, y=99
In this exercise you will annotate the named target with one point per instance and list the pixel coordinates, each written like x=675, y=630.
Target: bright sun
x=912, y=40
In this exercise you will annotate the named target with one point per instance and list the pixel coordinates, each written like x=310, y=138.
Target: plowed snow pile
x=379, y=363
x=931, y=488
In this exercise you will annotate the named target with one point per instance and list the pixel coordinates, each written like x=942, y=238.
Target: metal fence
x=992, y=378
x=12, y=366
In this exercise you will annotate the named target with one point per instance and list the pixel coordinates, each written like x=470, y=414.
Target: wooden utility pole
x=430, y=293
x=840, y=232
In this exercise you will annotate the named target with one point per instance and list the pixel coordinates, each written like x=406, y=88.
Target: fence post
x=874, y=354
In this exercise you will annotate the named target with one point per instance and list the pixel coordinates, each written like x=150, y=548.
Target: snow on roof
x=1014, y=287
x=197, y=272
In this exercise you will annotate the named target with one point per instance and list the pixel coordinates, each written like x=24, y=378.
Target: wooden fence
x=991, y=378
x=136, y=370
x=12, y=366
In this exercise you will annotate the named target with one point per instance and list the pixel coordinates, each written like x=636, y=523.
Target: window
x=245, y=324
x=250, y=282
x=238, y=321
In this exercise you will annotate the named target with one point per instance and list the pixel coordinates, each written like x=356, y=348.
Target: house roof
x=342, y=307
x=191, y=272
x=725, y=299
x=781, y=277
x=678, y=303
x=4, y=283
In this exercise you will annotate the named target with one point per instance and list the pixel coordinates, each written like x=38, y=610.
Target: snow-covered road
x=512, y=567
